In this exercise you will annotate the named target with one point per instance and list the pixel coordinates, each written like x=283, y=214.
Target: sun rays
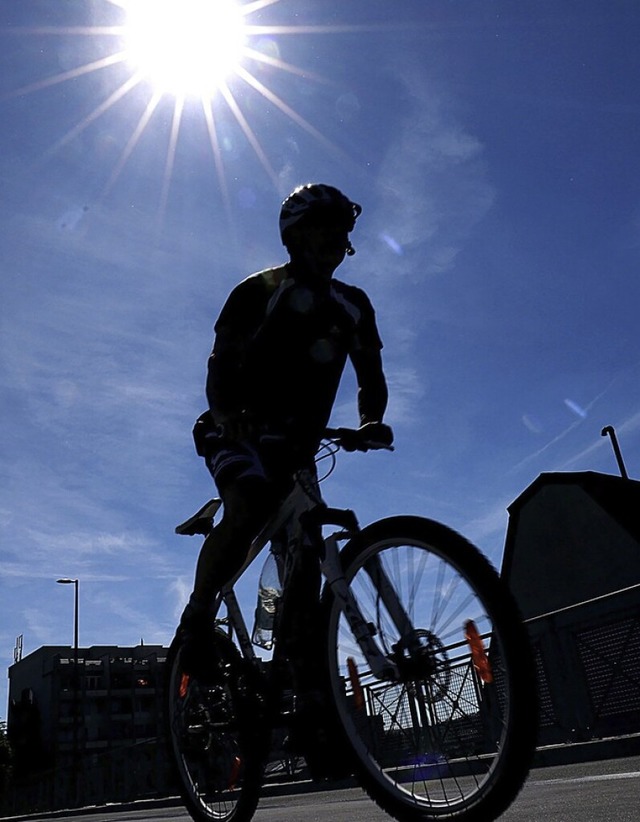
x=218, y=52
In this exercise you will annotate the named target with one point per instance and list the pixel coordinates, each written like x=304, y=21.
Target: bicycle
x=424, y=664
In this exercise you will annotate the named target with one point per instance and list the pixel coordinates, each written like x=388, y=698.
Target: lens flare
x=225, y=54
x=184, y=47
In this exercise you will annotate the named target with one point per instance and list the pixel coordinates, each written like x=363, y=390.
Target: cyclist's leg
x=249, y=500
x=221, y=556
x=238, y=471
x=313, y=732
x=299, y=608
x=299, y=614
x=247, y=506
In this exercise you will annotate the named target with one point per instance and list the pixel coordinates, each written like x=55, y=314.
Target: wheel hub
x=422, y=656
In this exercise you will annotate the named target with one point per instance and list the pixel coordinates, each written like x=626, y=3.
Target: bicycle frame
x=305, y=501
x=414, y=657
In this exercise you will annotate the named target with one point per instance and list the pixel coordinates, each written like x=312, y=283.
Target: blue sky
x=493, y=146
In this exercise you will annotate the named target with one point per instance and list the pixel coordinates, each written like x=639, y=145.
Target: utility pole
x=76, y=687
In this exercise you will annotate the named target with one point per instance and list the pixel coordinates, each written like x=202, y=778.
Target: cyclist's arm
x=365, y=355
x=372, y=385
x=226, y=378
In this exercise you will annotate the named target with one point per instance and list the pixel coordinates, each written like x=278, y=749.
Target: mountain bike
x=423, y=667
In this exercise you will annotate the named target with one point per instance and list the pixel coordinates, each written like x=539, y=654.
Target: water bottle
x=269, y=593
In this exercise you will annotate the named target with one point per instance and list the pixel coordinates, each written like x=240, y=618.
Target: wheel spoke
x=218, y=768
x=442, y=739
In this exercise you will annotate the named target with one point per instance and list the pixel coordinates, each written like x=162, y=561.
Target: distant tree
x=6, y=759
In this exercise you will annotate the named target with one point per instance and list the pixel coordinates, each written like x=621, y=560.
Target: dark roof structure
x=572, y=537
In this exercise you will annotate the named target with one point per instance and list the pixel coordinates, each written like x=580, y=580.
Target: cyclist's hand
x=371, y=435
x=349, y=439
x=375, y=435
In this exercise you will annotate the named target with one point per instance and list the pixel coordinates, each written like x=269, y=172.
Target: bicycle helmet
x=316, y=199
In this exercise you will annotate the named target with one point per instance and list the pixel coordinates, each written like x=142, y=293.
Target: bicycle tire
x=455, y=737
x=216, y=735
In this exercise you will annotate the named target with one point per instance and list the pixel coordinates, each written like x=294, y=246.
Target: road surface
x=604, y=791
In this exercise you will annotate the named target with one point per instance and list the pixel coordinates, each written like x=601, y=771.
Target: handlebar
x=353, y=439
x=370, y=437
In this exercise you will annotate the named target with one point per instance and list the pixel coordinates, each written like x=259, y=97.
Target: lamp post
x=76, y=682
x=75, y=583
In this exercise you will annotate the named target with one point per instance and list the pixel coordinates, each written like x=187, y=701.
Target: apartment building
x=87, y=726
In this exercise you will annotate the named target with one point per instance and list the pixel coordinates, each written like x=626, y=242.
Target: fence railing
x=588, y=668
x=121, y=774
x=588, y=673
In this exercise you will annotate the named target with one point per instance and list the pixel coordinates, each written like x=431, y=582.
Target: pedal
x=201, y=522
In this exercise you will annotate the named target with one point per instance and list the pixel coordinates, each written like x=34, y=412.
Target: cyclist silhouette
x=281, y=344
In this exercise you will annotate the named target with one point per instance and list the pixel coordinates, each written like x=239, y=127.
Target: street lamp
x=76, y=683
x=75, y=583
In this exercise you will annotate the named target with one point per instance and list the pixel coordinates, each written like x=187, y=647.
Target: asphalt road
x=604, y=791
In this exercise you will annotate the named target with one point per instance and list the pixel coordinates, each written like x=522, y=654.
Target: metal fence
x=588, y=674
x=122, y=774
x=588, y=668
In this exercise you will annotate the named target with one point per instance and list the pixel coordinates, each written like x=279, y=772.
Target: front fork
x=364, y=632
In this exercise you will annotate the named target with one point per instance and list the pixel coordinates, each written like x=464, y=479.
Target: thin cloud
x=582, y=416
x=486, y=527
x=56, y=551
x=180, y=591
x=432, y=183
x=433, y=189
x=405, y=391
x=628, y=426
x=18, y=570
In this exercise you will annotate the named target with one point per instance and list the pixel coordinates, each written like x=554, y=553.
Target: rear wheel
x=453, y=736
x=216, y=736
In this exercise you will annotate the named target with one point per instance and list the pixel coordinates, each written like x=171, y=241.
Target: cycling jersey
x=280, y=350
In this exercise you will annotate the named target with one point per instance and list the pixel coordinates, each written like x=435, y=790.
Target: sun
x=224, y=55
x=187, y=48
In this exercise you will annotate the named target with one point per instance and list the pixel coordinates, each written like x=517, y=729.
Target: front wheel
x=216, y=735
x=452, y=735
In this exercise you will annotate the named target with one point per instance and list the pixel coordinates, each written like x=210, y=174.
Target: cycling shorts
x=244, y=463
x=232, y=462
